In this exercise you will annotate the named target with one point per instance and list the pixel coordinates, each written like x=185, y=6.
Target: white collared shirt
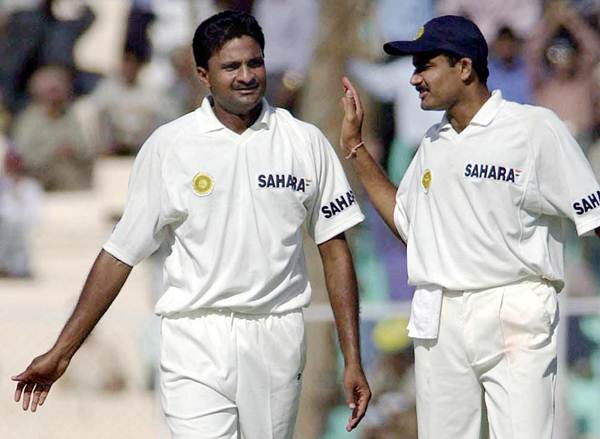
x=483, y=208
x=231, y=208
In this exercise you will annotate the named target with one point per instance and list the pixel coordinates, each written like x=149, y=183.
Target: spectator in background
x=508, y=70
x=290, y=28
x=564, y=51
x=128, y=110
x=186, y=92
x=49, y=136
x=389, y=82
x=491, y=15
x=400, y=125
x=34, y=38
x=400, y=20
x=394, y=413
x=20, y=198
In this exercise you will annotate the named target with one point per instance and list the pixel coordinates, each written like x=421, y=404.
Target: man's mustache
x=250, y=86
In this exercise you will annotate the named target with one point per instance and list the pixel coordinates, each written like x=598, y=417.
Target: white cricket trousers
x=226, y=375
x=492, y=370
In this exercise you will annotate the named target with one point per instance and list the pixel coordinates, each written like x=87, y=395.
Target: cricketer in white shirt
x=233, y=206
x=503, y=186
x=226, y=191
x=480, y=210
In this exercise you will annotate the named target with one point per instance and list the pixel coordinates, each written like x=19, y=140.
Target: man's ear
x=202, y=74
x=466, y=69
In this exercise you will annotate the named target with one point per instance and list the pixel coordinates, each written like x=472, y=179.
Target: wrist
x=63, y=351
x=353, y=361
x=354, y=150
x=349, y=143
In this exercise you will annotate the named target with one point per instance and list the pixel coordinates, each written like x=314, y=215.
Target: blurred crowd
x=81, y=80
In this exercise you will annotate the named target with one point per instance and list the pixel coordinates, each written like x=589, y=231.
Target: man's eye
x=256, y=63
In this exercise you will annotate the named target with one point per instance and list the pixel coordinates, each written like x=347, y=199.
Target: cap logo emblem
x=202, y=184
x=420, y=32
x=426, y=180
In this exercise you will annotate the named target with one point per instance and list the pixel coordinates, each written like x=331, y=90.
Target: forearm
x=380, y=190
x=101, y=287
x=342, y=288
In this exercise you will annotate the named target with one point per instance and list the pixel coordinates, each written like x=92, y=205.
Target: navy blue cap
x=448, y=33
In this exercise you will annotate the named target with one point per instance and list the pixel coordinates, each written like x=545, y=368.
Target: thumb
x=350, y=397
x=26, y=374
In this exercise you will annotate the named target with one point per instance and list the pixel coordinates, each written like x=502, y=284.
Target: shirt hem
x=117, y=253
x=346, y=225
x=587, y=226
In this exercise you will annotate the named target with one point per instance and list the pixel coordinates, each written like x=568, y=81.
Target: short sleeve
x=403, y=194
x=565, y=181
x=141, y=229
x=334, y=207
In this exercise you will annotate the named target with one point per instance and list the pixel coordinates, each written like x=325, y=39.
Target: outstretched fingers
x=39, y=396
x=27, y=390
x=30, y=392
x=19, y=391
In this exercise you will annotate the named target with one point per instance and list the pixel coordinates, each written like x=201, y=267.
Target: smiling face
x=438, y=82
x=236, y=76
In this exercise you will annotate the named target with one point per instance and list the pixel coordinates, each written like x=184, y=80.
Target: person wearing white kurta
x=480, y=209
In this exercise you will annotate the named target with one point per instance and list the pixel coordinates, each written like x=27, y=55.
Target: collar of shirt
x=208, y=121
x=484, y=116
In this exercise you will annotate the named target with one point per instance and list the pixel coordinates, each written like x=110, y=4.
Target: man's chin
x=245, y=106
x=428, y=106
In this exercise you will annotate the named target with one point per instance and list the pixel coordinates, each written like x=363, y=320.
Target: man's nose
x=415, y=79
x=245, y=74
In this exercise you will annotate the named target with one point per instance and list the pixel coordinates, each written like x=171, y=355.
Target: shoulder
x=544, y=130
x=166, y=135
x=305, y=130
x=532, y=117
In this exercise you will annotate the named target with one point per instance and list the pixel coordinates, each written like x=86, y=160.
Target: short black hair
x=481, y=69
x=214, y=32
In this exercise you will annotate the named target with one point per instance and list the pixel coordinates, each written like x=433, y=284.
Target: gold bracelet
x=353, y=150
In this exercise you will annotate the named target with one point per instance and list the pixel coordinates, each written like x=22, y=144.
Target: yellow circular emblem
x=420, y=32
x=203, y=184
x=426, y=180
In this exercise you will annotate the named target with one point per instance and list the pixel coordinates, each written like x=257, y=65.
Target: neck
x=54, y=111
x=237, y=123
x=464, y=109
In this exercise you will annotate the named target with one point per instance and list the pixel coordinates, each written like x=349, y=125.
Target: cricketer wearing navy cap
x=480, y=209
x=455, y=38
x=450, y=33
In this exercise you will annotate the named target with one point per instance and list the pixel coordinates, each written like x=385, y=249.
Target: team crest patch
x=203, y=184
x=420, y=32
x=426, y=180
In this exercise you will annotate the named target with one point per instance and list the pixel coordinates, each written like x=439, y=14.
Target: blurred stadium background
x=83, y=82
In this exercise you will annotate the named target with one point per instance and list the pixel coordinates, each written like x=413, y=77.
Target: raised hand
x=351, y=135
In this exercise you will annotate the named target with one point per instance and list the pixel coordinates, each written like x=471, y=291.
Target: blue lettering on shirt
x=590, y=202
x=283, y=181
x=338, y=204
x=491, y=172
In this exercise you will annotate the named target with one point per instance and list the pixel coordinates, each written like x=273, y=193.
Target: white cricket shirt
x=483, y=208
x=231, y=208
